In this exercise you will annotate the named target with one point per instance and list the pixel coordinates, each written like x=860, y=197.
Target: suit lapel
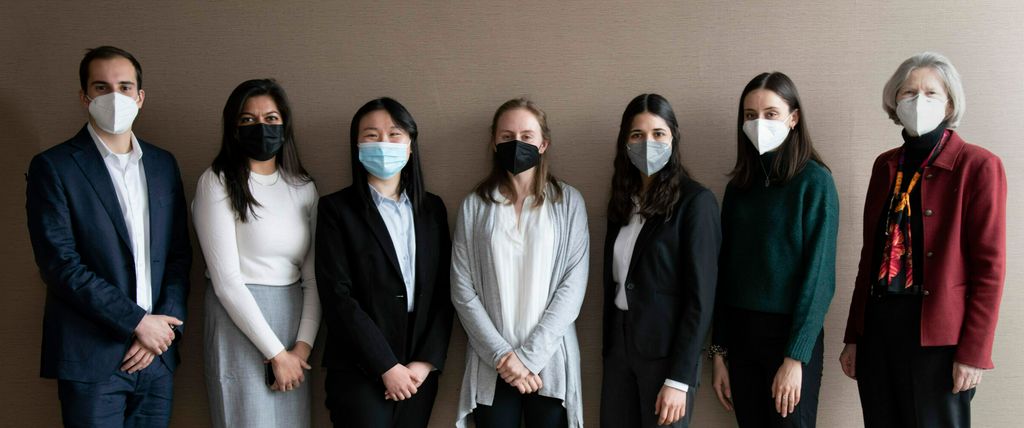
x=91, y=163
x=422, y=223
x=380, y=231
x=643, y=239
x=156, y=186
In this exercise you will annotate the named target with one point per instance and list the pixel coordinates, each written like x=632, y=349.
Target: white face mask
x=650, y=156
x=766, y=134
x=113, y=112
x=921, y=114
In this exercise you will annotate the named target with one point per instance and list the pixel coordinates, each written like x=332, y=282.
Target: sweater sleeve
x=719, y=332
x=214, y=221
x=535, y=352
x=484, y=337
x=310, y=322
x=817, y=275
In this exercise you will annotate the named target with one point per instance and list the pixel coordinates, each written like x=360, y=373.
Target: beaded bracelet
x=716, y=350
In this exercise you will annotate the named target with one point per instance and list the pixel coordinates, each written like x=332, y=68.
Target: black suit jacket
x=670, y=286
x=362, y=291
x=84, y=255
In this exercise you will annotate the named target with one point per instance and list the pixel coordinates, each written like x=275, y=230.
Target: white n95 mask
x=766, y=134
x=114, y=112
x=921, y=114
x=649, y=156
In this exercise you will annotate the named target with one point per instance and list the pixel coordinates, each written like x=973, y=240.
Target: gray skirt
x=235, y=382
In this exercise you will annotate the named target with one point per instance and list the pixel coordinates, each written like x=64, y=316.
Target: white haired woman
x=926, y=299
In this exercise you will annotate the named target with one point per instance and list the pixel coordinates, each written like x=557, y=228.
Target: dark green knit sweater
x=779, y=251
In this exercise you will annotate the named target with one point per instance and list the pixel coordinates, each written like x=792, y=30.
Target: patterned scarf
x=897, y=255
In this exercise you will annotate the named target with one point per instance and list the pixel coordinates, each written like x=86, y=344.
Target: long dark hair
x=499, y=179
x=411, y=181
x=663, y=193
x=792, y=155
x=233, y=163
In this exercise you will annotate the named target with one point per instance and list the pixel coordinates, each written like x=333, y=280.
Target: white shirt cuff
x=677, y=385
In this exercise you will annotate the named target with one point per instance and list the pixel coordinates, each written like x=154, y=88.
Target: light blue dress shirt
x=398, y=218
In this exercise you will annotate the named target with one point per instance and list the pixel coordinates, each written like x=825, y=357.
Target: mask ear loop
x=789, y=116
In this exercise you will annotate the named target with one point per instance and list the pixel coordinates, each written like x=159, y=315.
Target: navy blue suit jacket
x=82, y=248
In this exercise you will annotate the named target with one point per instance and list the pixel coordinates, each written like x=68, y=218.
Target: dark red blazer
x=963, y=196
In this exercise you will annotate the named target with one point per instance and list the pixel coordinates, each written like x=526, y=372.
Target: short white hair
x=944, y=68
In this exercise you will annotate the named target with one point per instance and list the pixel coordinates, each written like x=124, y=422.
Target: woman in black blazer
x=383, y=252
x=660, y=269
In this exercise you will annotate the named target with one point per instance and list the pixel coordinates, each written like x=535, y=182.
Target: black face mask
x=261, y=141
x=516, y=156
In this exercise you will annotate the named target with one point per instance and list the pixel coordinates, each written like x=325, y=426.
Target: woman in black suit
x=660, y=269
x=382, y=257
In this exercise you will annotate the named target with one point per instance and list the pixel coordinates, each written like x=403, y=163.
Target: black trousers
x=631, y=383
x=510, y=409
x=356, y=400
x=901, y=383
x=757, y=343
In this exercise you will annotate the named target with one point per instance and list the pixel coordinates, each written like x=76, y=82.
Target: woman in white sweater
x=519, y=273
x=254, y=213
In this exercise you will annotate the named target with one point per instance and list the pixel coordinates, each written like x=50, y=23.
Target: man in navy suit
x=107, y=220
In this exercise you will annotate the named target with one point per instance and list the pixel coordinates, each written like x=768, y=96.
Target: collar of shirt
x=502, y=200
x=379, y=199
x=133, y=156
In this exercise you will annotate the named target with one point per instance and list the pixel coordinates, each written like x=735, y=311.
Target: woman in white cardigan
x=254, y=214
x=520, y=262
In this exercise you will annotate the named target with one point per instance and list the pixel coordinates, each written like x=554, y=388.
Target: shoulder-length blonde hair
x=499, y=179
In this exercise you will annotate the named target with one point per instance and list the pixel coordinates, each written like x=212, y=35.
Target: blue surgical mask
x=383, y=159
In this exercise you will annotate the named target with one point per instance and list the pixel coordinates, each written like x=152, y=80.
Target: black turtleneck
x=915, y=152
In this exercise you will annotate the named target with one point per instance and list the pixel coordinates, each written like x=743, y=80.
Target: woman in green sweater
x=780, y=219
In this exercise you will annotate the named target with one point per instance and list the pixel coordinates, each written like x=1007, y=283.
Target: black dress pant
x=631, y=383
x=138, y=400
x=901, y=383
x=354, y=399
x=757, y=342
x=510, y=409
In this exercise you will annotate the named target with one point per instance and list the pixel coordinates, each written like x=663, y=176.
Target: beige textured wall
x=452, y=64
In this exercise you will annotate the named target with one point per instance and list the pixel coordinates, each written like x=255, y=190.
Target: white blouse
x=523, y=259
x=275, y=247
x=625, y=242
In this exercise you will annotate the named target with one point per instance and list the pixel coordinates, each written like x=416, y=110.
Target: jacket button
x=630, y=286
x=925, y=292
x=929, y=254
x=928, y=213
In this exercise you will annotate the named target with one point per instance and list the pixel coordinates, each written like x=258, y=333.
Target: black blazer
x=670, y=285
x=362, y=291
x=84, y=255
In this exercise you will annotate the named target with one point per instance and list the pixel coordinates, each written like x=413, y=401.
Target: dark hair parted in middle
x=232, y=161
x=411, y=181
x=499, y=179
x=663, y=192
x=794, y=152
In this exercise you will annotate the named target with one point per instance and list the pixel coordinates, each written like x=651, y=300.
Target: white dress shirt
x=274, y=247
x=625, y=242
x=129, y=177
x=399, y=221
x=523, y=252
